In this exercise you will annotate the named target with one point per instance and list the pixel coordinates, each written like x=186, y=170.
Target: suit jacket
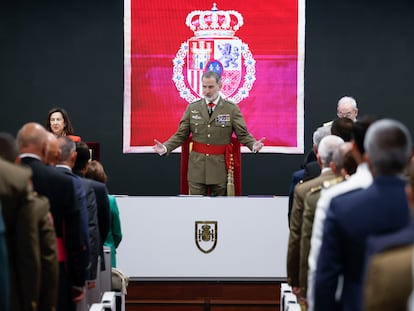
x=43, y=234
x=31, y=241
x=351, y=218
x=388, y=278
x=87, y=204
x=94, y=238
x=67, y=215
x=104, y=216
x=296, y=218
x=216, y=130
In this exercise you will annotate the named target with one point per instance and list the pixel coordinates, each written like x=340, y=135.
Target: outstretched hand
x=258, y=144
x=158, y=147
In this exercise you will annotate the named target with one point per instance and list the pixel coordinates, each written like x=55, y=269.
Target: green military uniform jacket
x=389, y=279
x=31, y=241
x=296, y=219
x=215, y=130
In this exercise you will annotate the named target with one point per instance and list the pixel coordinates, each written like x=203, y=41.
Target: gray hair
x=67, y=146
x=327, y=146
x=388, y=145
x=320, y=133
x=347, y=100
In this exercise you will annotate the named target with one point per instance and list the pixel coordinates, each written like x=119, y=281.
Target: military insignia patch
x=206, y=235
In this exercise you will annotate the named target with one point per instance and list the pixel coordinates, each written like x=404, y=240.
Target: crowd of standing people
x=54, y=220
x=351, y=232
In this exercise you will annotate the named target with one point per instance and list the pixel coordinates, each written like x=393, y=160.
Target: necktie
x=210, y=108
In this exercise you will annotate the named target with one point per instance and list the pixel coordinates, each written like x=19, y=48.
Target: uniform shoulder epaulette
x=332, y=182
x=226, y=100
x=315, y=189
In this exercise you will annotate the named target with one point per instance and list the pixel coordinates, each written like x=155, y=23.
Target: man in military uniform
x=211, y=121
x=325, y=150
x=362, y=178
x=342, y=165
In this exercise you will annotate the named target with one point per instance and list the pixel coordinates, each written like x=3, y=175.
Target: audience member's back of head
x=83, y=156
x=326, y=148
x=342, y=127
x=342, y=158
x=359, y=130
x=32, y=137
x=8, y=147
x=388, y=146
x=320, y=133
x=67, y=146
x=350, y=164
x=96, y=171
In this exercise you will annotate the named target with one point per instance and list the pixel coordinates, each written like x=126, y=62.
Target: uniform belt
x=61, y=251
x=208, y=148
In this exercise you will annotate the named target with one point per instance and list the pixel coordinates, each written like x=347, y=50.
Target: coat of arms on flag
x=214, y=47
x=257, y=47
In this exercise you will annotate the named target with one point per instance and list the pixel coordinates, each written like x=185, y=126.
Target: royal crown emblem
x=206, y=235
x=214, y=47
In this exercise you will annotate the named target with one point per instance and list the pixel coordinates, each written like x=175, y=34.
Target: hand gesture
x=158, y=147
x=258, y=144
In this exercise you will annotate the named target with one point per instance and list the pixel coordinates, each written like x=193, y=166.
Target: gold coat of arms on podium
x=206, y=235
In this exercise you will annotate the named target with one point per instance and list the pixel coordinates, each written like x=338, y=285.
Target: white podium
x=203, y=237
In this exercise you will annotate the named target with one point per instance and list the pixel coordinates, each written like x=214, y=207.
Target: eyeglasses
x=345, y=114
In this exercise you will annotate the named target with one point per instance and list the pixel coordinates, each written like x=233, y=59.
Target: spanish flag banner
x=256, y=45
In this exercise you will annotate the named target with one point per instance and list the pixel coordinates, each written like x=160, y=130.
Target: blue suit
x=81, y=203
x=351, y=219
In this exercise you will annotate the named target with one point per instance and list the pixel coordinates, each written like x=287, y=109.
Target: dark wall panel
x=70, y=54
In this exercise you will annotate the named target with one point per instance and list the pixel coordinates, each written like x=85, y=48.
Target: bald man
x=32, y=140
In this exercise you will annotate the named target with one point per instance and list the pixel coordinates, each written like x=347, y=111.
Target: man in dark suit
x=211, y=121
x=67, y=216
x=101, y=194
x=65, y=164
x=354, y=216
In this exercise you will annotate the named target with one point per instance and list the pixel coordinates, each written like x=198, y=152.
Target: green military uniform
x=216, y=129
x=388, y=280
x=296, y=220
x=31, y=241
